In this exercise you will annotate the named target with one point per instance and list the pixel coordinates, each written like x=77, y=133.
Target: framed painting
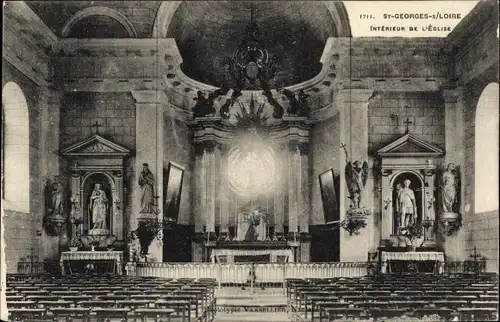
x=329, y=185
x=173, y=190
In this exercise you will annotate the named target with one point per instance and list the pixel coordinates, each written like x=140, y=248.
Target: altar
x=92, y=257
x=231, y=255
x=412, y=261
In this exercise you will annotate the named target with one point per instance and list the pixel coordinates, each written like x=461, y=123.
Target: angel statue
x=356, y=174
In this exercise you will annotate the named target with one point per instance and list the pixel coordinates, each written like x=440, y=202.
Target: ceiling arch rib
x=167, y=10
x=293, y=33
x=99, y=11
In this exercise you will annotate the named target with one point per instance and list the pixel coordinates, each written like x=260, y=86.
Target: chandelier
x=250, y=63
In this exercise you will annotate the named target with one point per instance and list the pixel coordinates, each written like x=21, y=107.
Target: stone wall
x=20, y=227
x=324, y=154
x=398, y=57
x=474, y=44
x=389, y=110
x=115, y=112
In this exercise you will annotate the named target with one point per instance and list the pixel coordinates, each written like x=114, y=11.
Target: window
x=486, y=150
x=15, y=149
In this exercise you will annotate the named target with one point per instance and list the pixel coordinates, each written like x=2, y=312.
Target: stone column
x=224, y=189
x=387, y=202
x=118, y=219
x=303, y=187
x=294, y=178
x=198, y=188
x=279, y=199
x=353, y=106
x=149, y=149
x=209, y=160
x=49, y=163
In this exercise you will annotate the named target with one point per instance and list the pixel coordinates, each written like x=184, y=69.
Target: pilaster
x=294, y=179
x=149, y=147
x=279, y=198
x=353, y=106
x=454, y=245
x=224, y=189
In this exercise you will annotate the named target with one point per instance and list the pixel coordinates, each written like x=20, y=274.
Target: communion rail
x=229, y=274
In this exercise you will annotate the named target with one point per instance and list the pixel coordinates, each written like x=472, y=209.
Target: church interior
x=166, y=160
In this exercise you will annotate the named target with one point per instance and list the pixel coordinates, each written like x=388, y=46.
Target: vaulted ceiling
x=55, y=14
x=297, y=31
x=207, y=31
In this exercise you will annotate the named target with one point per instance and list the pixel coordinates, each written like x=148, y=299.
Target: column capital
x=205, y=145
x=149, y=97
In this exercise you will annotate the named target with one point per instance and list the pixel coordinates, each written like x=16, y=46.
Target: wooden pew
x=26, y=314
x=155, y=313
x=106, y=314
x=21, y=304
x=181, y=307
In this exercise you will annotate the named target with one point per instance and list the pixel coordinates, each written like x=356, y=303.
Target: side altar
x=416, y=196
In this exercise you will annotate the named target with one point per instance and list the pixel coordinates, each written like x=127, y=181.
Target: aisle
x=237, y=305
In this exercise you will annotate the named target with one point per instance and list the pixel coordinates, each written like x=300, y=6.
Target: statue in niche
x=356, y=174
x=298, y=106
x=406, y=206
x=57, y=202
x=98, y=207
x=146, y=182
x=449, y=189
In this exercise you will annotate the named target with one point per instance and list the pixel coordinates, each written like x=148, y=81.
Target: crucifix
x=343, y=146
x=407, y=123
x=97, y=126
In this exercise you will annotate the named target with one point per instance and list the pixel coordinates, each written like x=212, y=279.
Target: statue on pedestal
x=99, y=207
x=146, y=182
x=448, y=191
x=356, y=174
x=406, y=206
x=57, y=204
x=449, y=205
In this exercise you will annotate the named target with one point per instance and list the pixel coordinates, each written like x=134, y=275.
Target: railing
x=469, y=266
x=239, y=273
x=30, y=267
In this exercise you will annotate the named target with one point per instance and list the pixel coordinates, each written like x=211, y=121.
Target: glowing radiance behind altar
x=252, y=167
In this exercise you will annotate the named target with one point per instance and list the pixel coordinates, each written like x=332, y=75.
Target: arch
x=99, y=11
x=486, y=150
x=15, y=149
x=167, y=10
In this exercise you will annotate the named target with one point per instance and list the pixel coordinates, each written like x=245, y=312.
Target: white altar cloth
x=438, y=257
x=273, y=254
x=94, y=256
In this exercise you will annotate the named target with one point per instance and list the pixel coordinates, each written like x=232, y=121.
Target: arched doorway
x=15, y=149
x=486, y=151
